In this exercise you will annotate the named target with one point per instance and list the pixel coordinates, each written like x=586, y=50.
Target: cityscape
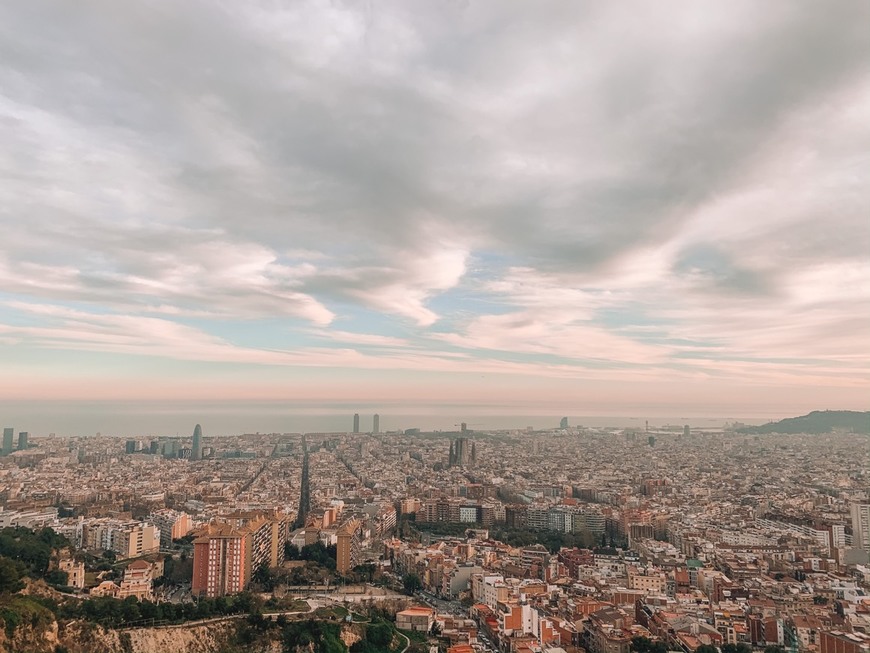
x=434, y=326
x=568, y=538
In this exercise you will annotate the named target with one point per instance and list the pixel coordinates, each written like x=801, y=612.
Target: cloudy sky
x=601, y=208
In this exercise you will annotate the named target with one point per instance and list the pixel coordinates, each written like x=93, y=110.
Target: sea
x=150, y=419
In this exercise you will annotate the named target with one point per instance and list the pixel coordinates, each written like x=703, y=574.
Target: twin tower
x=376, y=423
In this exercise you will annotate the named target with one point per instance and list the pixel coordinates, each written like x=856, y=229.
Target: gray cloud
x=153, y=147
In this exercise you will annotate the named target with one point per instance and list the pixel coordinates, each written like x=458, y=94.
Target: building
x=837, y=641
x=356, y=422
x=260, y=542
x=861, y=526
x=410, y=505
x=462, y=453
x=8, y=435
x=169, y=448
x=138, y=581
x=515, y=516
x=417, y=619
x=268, y=535
x=131, y=446
x=172, y=525
x=75, y=572
x=22, y=440
x=221, y=560
x=348, y=546
x=376, y=423
x=135, y=539
x=563, y=424
x=458, y=579
x=196, y=449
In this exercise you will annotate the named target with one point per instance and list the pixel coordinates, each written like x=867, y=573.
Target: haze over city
x=448, y=209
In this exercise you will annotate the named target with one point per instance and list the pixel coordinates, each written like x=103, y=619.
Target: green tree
x=264, y=577
x=736, y=648
x=380, y=634
x=10, y=575
x=706, y=648
x=412, y=583
x=641, y=644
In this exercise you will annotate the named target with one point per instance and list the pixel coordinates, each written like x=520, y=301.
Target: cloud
x=554, y=186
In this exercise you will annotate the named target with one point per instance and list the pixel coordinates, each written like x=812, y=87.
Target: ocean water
x=228, y=418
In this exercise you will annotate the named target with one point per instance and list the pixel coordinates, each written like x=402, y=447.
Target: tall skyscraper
x=22, y=440
x=564, y=423
x=196, y=450
x=376, y=423
x=8, y=436
x=861, y=526
x=356, y=422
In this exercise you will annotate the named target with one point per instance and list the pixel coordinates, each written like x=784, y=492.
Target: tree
x=642, y=644
x=412, y=583
x=10, y=576
x=706, y=648
x=264, y=577
x=57, y=577
x=774, y=648
x=379, y=634
x=736, y=648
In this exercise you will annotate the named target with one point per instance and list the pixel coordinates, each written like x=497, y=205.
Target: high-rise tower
x=22, y=440
x=196, y=450
x=376, y=423
x=8, y=438
x=356, y=422
x=861, y=526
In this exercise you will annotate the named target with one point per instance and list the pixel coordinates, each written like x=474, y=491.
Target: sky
x=610, y=208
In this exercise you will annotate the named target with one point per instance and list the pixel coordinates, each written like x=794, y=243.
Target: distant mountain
x=818, y=421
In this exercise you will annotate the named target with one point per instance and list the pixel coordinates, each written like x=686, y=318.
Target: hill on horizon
x=817, y=422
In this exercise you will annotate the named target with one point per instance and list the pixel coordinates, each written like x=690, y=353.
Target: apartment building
x=172, y=524
x=221, y=560
x=348, y=546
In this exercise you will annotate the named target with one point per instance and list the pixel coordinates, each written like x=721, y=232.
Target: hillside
x=818, y=422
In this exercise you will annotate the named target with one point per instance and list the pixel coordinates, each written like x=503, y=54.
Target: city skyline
x=572, y=210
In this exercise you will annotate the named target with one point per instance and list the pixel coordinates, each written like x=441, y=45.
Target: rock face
x=88, y=638
x=26, y=638
x=351, y=634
